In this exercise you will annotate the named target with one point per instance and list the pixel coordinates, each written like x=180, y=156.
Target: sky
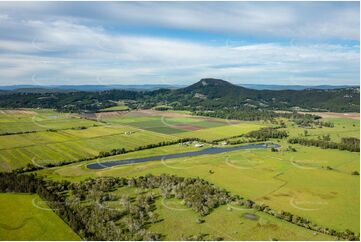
x=100, y=43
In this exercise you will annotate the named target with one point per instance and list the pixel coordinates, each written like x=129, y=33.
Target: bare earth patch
x=102, y=115
x=187, y=127
x=150, y=112
x=17, y=111
x=111, y=114
x=355, y=116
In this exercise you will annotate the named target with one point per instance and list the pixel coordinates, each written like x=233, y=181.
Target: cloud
x=301, y=20
x=53, y=45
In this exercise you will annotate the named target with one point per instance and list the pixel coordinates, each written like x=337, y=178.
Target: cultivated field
x=60, y=137
x=25, y=120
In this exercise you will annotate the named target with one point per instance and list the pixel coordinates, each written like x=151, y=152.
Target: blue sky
x=290, y=43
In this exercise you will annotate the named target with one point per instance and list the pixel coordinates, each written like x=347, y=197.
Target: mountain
x=212, y=93
x=217, y=88
x=210, y=82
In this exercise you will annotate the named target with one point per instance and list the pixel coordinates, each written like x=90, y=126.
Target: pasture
x=227, y=222
x=120, y=106
x=312, y=182
x=344, y=127
x=177, y=221
x=29, y=218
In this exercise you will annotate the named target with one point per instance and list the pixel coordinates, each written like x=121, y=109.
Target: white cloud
x=310, y=20
x=67, y=51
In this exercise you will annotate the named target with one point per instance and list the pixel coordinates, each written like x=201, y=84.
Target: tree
x=355, y=173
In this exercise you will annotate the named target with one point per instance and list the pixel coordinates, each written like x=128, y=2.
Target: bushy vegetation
x=251, y=114
x=215, y=95
x=67, y=102
x=267, y=133
x=262, y=134
x=349, y=144
x=239, y=113
x=82, y=205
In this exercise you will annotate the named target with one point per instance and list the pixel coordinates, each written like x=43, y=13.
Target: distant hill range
x=206, y=94
x=85, y=88
x=149, y=87
x=293, y=87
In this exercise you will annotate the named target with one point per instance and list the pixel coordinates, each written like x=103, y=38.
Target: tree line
x=267, y=133
x=349, y=144
x=47, y=130
x=260, y=135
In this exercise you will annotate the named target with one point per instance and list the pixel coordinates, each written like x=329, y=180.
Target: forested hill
x=207, y=94
x=218, y=93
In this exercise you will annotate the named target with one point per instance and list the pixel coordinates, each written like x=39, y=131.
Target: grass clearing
x=291, y=181
x=24, y=221
x=120, y=106
x=226, y=222
x=223, y=131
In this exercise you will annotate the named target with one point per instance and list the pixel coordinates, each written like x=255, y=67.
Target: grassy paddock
x=298, y=182
x=227, y=222
x=21, y=220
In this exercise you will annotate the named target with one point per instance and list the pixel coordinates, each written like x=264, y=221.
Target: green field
x=282, y=180
x=120, y=106
x=312, y=182
x=227, y=222
x=25, y=120
x=22, y=220
x=344, y=127
x=178, y=221
x=69, y=143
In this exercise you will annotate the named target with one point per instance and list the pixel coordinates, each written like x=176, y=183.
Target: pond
x=208, y=151
x=250, y=216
